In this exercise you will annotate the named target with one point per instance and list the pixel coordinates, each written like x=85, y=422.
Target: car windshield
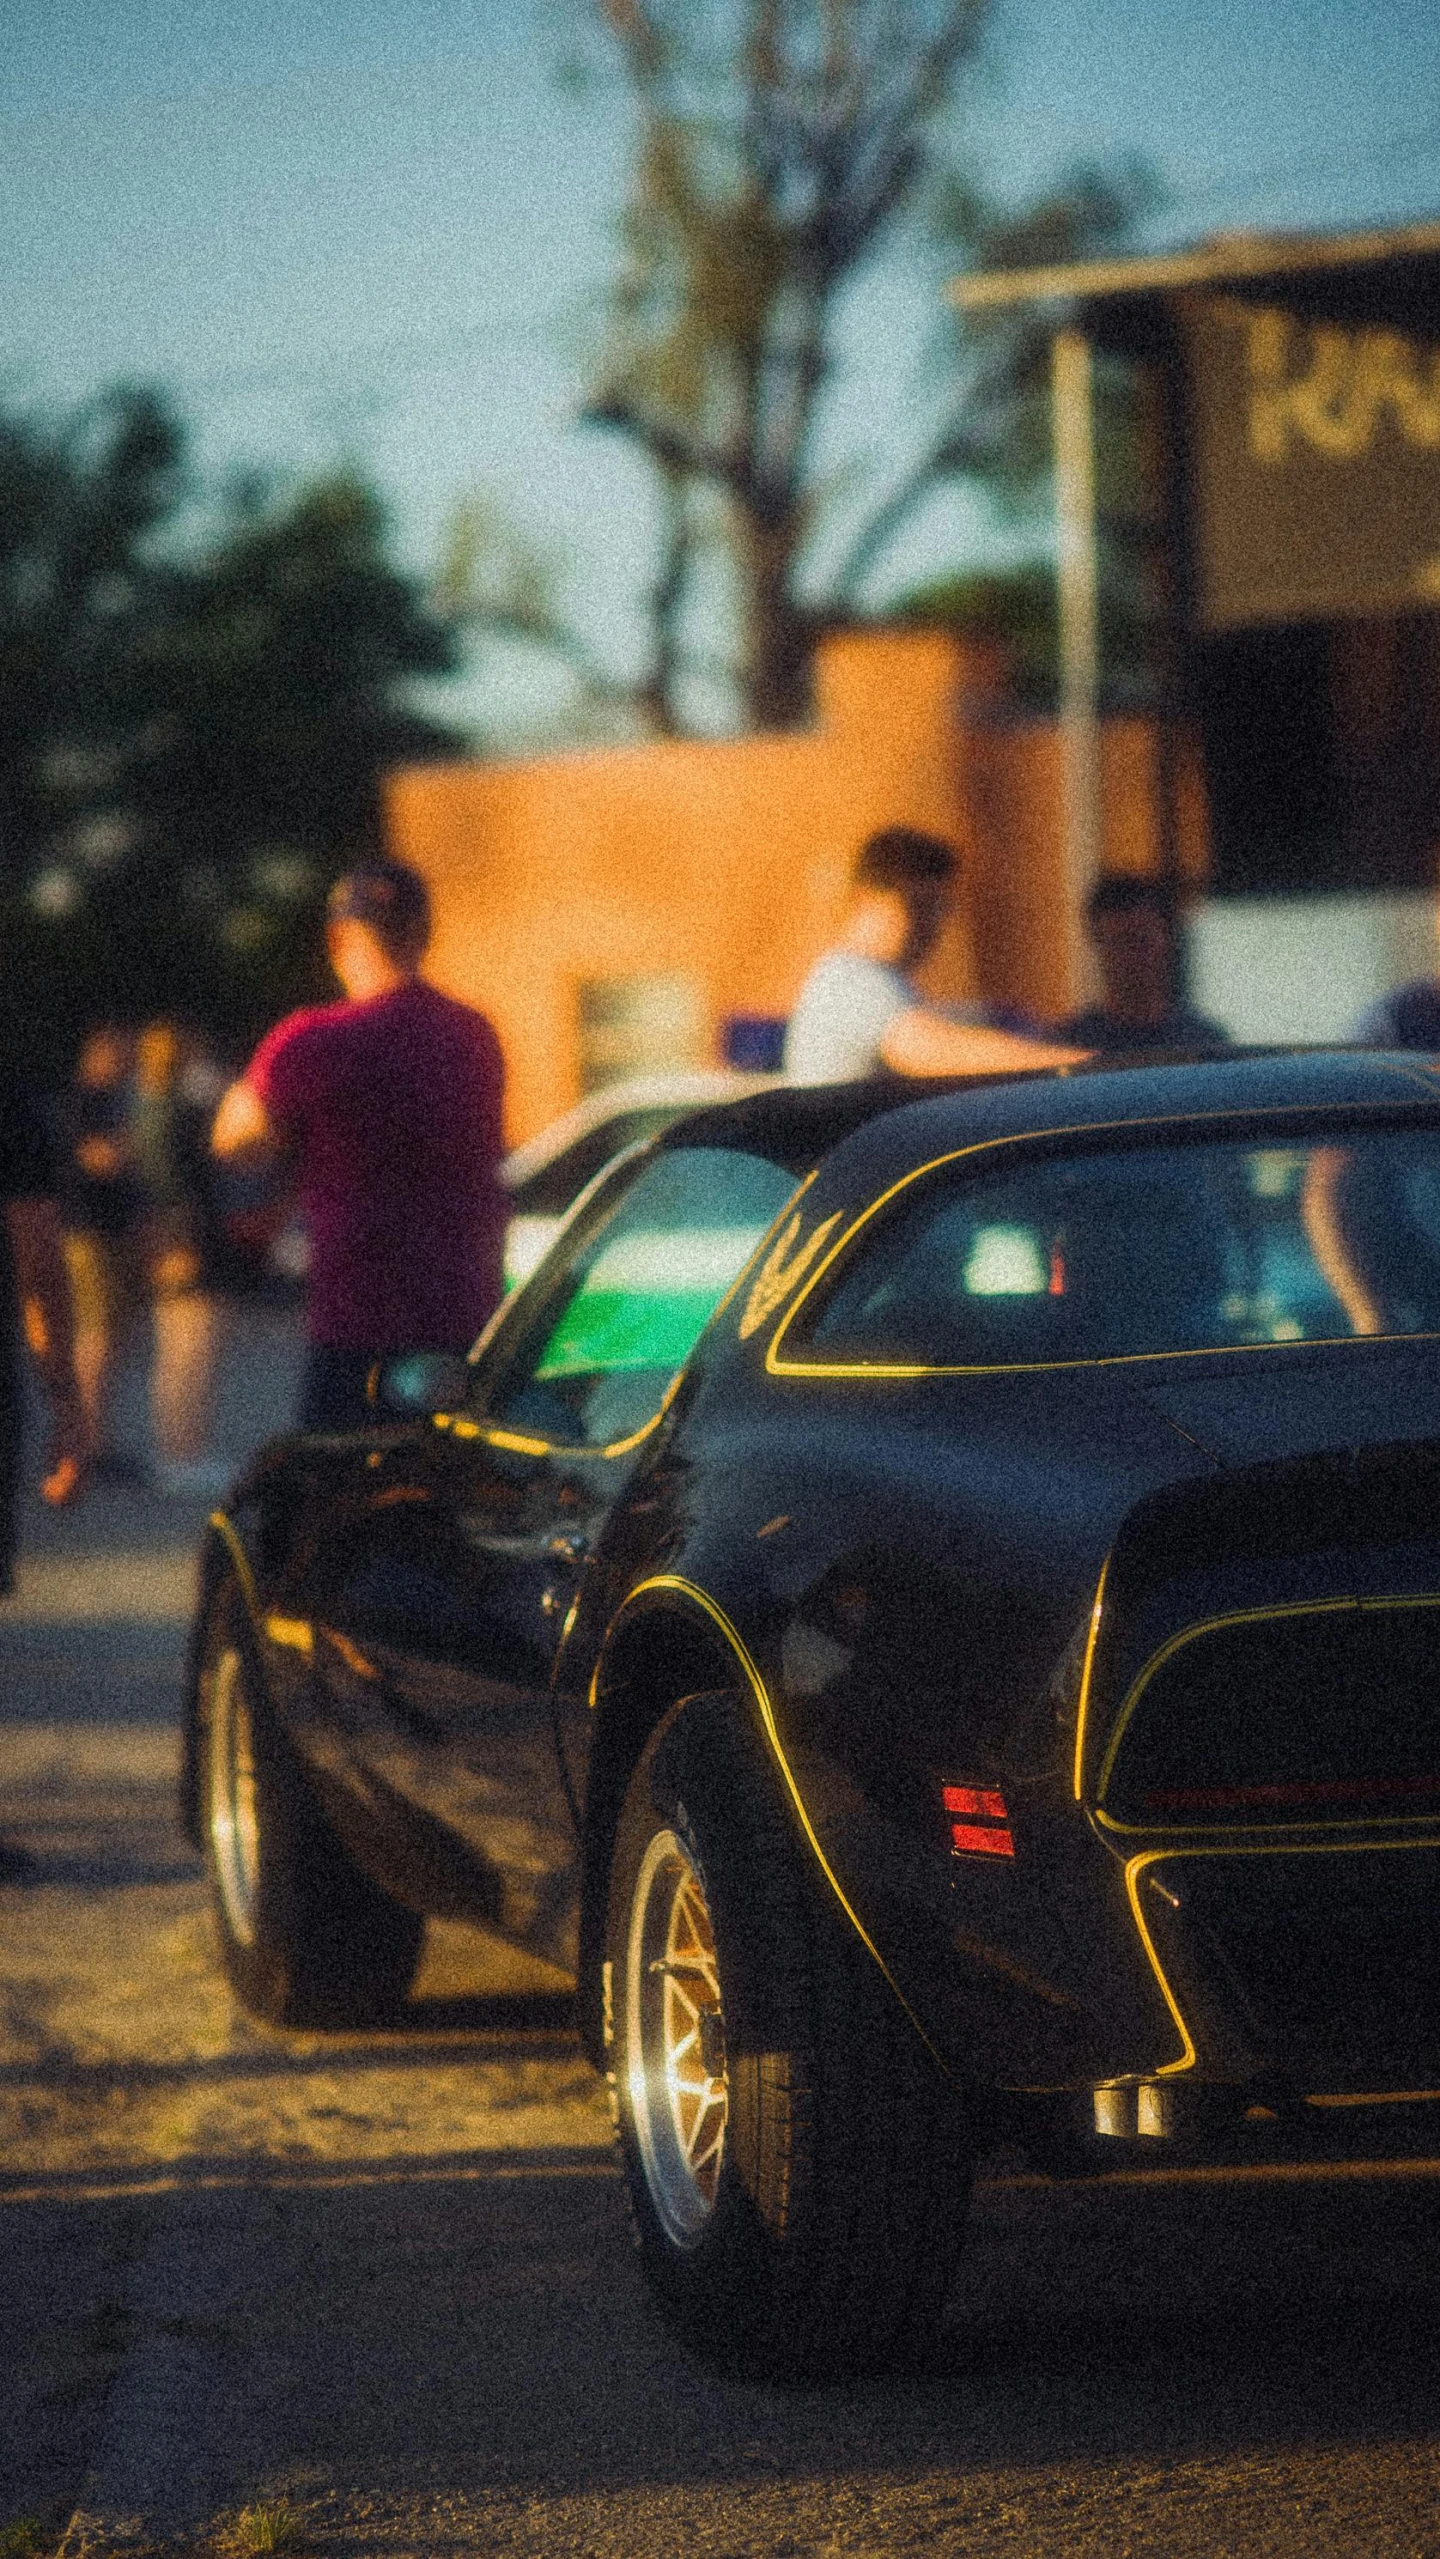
x=1144, y=1249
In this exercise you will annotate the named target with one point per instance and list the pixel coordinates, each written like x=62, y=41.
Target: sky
x=379, y=232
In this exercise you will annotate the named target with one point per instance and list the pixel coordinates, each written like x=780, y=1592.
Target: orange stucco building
x=610, y=908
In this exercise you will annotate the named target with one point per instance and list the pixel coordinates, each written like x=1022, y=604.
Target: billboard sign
x=1315, y=460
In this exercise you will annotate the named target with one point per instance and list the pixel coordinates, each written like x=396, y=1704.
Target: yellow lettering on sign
x=783, y=1268
x=1352, y=380
x=1268, y=334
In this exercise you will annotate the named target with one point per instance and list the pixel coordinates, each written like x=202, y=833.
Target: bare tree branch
x=668, y=443
x=781, y=141
x=949, y=458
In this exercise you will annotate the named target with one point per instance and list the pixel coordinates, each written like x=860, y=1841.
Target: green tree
x=278, y=691
x=782, y=145
x=995, y=429
x=277, y=679
x=194, y=736
x=1018, y=609
x=80, y=504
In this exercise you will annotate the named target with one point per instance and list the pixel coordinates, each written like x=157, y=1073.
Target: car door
x=461, y=1565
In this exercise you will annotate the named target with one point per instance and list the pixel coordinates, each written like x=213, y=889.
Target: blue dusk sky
x=380, y=233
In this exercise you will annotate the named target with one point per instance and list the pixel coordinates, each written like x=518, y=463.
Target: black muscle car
x=928, y=1605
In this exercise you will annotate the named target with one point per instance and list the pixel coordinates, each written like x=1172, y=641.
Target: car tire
x=306, y=1939
x=797, y=2165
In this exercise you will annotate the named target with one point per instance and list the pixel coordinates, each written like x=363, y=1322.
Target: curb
x=150, y=2476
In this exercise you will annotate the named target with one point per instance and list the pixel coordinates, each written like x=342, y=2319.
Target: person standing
x=1131, y=918
x=186, y=1260
x=102, y=1217
x=1408, y=1017
x=34, y=1300
x=389, y=1106
x=859, y=1010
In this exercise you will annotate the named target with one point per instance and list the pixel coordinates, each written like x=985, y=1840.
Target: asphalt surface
x=388, y=2277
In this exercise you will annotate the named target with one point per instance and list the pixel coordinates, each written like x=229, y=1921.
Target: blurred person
x=1374, y=1232
x=102, y=1205
x=186, y=1263
x=859, y=1010
x=1133, y=930
x=389, y=1107
x=1409, y=1016
x=34, y=1300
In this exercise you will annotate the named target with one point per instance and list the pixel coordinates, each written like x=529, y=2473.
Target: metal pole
x=1077, y=572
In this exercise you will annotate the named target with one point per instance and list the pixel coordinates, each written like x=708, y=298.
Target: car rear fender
x=670, y=1639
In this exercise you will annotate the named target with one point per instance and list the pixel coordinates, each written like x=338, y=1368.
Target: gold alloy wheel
x=232, y=1816
x=675, y=2039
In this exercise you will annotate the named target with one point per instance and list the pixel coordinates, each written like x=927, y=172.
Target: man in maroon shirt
x=389, y=1107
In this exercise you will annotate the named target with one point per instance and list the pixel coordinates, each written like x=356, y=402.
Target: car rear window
x=1138, y=1250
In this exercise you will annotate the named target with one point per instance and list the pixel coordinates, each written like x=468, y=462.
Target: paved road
x=388, y=2276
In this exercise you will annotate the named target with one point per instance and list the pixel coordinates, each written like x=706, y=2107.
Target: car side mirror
x=418, y=1383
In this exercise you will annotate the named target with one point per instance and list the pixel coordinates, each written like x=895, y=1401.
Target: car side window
x=605, y=1349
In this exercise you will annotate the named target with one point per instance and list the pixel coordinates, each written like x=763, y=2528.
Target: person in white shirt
x=859, y=1011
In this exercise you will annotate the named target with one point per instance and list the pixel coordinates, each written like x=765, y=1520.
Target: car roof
x=794, y=1125
x=907, y=1119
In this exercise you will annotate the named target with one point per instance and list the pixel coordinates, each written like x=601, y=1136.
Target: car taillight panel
x=979, y=1821
x=1319, y=1713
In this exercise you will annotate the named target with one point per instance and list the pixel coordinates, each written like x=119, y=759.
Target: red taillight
x=984, y=1830
x=987, y=1801
x=967, y=1840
